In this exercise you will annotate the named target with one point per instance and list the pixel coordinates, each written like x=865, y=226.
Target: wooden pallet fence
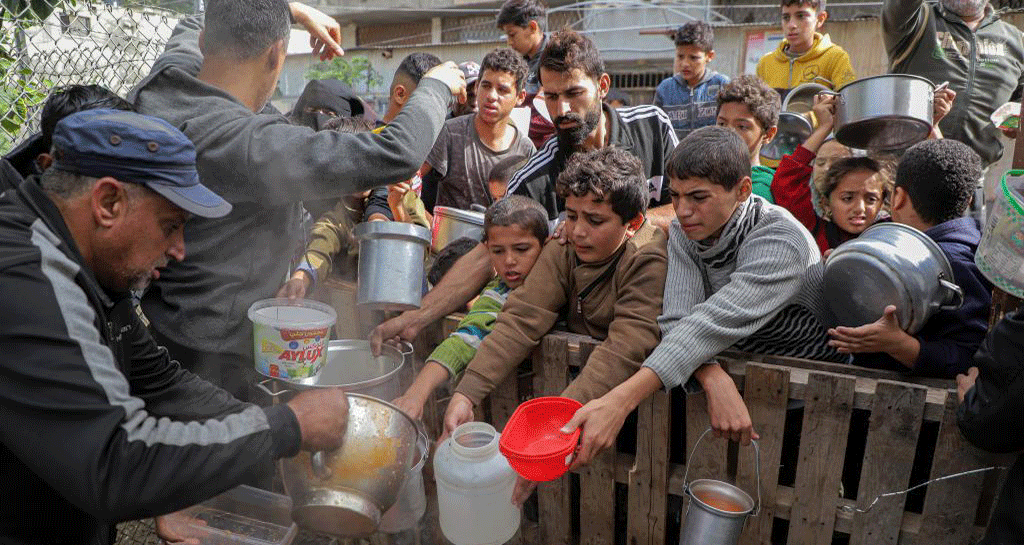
x=811, y=510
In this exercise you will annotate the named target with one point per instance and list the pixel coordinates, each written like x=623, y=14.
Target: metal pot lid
x=392, y=229
x=858, y=286
x=476, y=218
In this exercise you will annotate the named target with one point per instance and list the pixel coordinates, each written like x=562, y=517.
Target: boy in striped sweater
x=742, y=274
x=515, y=229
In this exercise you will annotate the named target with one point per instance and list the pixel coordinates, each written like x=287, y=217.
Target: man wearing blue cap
x=98, y=424
x=211, y=81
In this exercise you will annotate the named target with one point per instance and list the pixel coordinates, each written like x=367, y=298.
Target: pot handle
x=262, y=385
x=757, y=468
x=956, y=291
x=405, y=348
x=317, y=462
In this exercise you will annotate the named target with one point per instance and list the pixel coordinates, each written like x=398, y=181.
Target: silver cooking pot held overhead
x=884, y=113
x=890, y=264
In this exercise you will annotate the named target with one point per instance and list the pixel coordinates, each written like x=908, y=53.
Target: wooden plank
x=822, y=449
x=504, y=400
x=555, y=516
x=648, y=478
x=888, y=458
x=710, y=460
x=597, y=500
x=766, y=394
x=950, y=506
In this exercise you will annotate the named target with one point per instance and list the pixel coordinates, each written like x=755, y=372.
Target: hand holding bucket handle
x=757, y=467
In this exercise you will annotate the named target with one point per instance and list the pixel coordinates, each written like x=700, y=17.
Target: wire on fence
x=49, y=43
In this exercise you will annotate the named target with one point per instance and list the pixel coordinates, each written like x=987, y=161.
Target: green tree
x=354, y=71
x=20, y=92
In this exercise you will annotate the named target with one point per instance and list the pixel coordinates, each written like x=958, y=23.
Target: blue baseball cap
x=136, y=148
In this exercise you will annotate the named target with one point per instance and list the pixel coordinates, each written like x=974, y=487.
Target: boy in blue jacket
x=690, y=96
x=935, y=181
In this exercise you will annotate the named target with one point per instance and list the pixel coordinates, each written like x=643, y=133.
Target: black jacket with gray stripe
x=97, y=423
x=644, y=131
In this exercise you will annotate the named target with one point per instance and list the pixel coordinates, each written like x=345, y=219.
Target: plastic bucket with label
x=290, y=337
x=1000, y=255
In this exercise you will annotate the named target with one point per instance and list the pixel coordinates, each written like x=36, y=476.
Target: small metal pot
x=800, y=99
x=885, y=113
x=345, y=492
x=890, y=264
x=451, y=224
x=793, y=131
x=391, y=258
x=717, y=510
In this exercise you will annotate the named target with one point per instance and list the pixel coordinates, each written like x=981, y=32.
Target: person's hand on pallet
x=729, y=415
x=965, y=382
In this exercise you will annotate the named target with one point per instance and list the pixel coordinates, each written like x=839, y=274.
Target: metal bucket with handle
x=717, y=510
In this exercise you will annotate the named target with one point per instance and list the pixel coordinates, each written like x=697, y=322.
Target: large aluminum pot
x=887, y=112
x=451, y=224
x=890, y=264
x=352, y=366
x=391, y=258
x=345, y=492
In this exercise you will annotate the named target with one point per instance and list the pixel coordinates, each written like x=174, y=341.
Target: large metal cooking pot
x=887, y=112
x=890, y=264
x=345, y=492
x=352, y=366
x=391, y=255
x=793, y=131
x=451, y=224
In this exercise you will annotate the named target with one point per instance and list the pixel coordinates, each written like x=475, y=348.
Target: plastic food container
x=533, y=442
x=1000, y=255
x=240, y=516
x=290, y=337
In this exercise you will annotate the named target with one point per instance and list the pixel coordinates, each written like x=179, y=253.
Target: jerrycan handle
x=757, y=467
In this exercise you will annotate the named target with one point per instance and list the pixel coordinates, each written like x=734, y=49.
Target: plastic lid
x=283, y=312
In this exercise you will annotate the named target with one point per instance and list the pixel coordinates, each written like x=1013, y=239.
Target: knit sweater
x=616, y=301
x=458, y=349
x=757, y=288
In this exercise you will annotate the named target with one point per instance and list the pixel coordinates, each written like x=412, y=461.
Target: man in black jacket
x=98, y=424
x=992, y=402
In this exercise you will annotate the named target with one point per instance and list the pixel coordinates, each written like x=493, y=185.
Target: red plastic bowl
x=532, y=441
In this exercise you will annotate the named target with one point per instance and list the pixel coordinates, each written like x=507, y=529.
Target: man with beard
x=965, y=43
x=99, y=424
x=574, y=86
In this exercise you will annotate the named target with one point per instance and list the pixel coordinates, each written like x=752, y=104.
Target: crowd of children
x=655, y=229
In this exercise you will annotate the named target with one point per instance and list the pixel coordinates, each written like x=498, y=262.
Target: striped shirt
x=645, y=131
x=758, y=288
x=458, y=349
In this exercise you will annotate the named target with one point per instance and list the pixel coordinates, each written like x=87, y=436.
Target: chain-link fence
x=49, y=43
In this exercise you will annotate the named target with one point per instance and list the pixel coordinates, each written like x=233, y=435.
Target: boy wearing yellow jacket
x=805, y=55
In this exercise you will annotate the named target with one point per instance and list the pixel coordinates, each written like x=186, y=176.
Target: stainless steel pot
x=717, y=510
x=451, y=224
x=345, y=492
x=411, y=504
x=793, y=131
x=800, y=99
x=887, y=112
x=352, y=366
x=391, y=258
x=890, y=264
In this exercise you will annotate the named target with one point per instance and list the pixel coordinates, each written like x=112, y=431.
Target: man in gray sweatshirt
x=210, y=83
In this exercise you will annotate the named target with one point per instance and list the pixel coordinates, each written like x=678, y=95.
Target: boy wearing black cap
x=99, y=424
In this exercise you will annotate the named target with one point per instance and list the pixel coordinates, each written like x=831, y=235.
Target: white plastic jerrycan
x=474, y=487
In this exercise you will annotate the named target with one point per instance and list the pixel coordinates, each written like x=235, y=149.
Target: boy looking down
x=742, y=274
x=751, y=108
x=688, y=97
x=515, y=230
x=805, y=56
x=935, y=181
x=607, y=283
